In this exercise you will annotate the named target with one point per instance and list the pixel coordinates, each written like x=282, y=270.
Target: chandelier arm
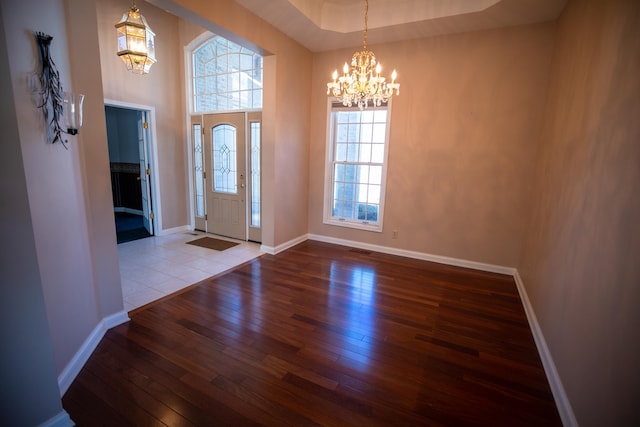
x=363, y=85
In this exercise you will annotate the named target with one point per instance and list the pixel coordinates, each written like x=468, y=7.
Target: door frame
x=249, y=116
x=156, y=203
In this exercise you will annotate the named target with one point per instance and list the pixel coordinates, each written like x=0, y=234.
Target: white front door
x=224, y=161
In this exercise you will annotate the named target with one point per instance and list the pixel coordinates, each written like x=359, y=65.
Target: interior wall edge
x=71, y=371
x=557, y=388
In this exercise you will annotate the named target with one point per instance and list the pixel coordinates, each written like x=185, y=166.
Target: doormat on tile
x=211, y=243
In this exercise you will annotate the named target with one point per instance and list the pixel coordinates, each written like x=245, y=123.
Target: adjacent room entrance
x=226, y=174
x=130, y=157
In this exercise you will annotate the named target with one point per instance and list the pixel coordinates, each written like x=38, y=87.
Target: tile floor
x=157, y=266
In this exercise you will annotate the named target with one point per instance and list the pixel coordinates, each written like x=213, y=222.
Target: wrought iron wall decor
x=52, y=101
x=50, y=90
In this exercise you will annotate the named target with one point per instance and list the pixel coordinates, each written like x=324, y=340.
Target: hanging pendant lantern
x=136, y=44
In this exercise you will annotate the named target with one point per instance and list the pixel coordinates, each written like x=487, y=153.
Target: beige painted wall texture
x=464, y=133
x=163, y=88
x=285, y=111
x=29, y=393
x=55, y=188
x=581, y=264
x=96, y=175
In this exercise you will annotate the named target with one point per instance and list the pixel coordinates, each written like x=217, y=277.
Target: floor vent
x=360, y=251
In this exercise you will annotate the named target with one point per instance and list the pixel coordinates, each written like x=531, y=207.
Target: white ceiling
x=322, y=25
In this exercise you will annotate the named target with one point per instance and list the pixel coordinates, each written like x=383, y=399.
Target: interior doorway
x=131, y=151
x=227, y=174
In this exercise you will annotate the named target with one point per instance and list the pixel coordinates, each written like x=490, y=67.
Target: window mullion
x=356, y=144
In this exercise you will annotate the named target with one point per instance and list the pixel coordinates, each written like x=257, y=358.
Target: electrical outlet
x=394, y=235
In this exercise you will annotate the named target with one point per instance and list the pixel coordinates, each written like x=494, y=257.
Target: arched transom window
x=226, y=76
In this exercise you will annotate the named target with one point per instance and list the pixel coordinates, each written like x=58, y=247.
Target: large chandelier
x=364, y=83
x=135, y=42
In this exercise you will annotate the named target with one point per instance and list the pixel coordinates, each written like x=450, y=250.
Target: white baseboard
x=71, y=371
x=173, y=230
x=415, y=255
x=60, y=420
x=562, y=401
x=272, y=250
x=128, y=210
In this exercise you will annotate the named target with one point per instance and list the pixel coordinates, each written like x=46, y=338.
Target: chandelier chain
x=366, y=20
x=363, y=83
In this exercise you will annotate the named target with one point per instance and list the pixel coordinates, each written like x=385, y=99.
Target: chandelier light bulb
x=363, y=85
x=136, y=46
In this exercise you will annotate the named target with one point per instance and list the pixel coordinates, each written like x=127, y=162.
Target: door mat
x=211, y=243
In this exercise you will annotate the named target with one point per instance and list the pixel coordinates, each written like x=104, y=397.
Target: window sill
x=358, y=225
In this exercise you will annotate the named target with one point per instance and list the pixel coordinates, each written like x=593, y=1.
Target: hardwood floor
x=322, y=335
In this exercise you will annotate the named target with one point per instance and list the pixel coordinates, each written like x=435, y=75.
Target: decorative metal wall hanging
x=50, y=90
x=52, y=101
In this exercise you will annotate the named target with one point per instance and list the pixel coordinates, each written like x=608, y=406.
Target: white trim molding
x=415, y=255
x=174, y=230
x=62, y=419
x=155, y=166
x=557, y=389
x=272, y=250
x=71, y=371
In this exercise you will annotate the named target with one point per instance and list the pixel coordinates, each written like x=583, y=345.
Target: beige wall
x=287, y=76
x=482, y=166
x=464, y=131
x=581, y=265
x=163, y=88
x=29, y=392
x=95, y=173
x=55, y=187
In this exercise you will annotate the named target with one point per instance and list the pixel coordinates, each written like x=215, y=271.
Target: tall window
x=225, y=76
x=356, y=167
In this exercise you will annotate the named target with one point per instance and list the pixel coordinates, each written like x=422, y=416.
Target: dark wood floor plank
x=323, y=334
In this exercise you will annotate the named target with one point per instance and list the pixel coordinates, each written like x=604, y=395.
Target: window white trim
x=190, y=80
x=328, y=217
x=188, y=62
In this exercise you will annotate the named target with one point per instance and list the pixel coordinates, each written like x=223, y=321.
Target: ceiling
x=322, y=25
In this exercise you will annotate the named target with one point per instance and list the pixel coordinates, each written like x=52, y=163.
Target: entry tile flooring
x=157, y=266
